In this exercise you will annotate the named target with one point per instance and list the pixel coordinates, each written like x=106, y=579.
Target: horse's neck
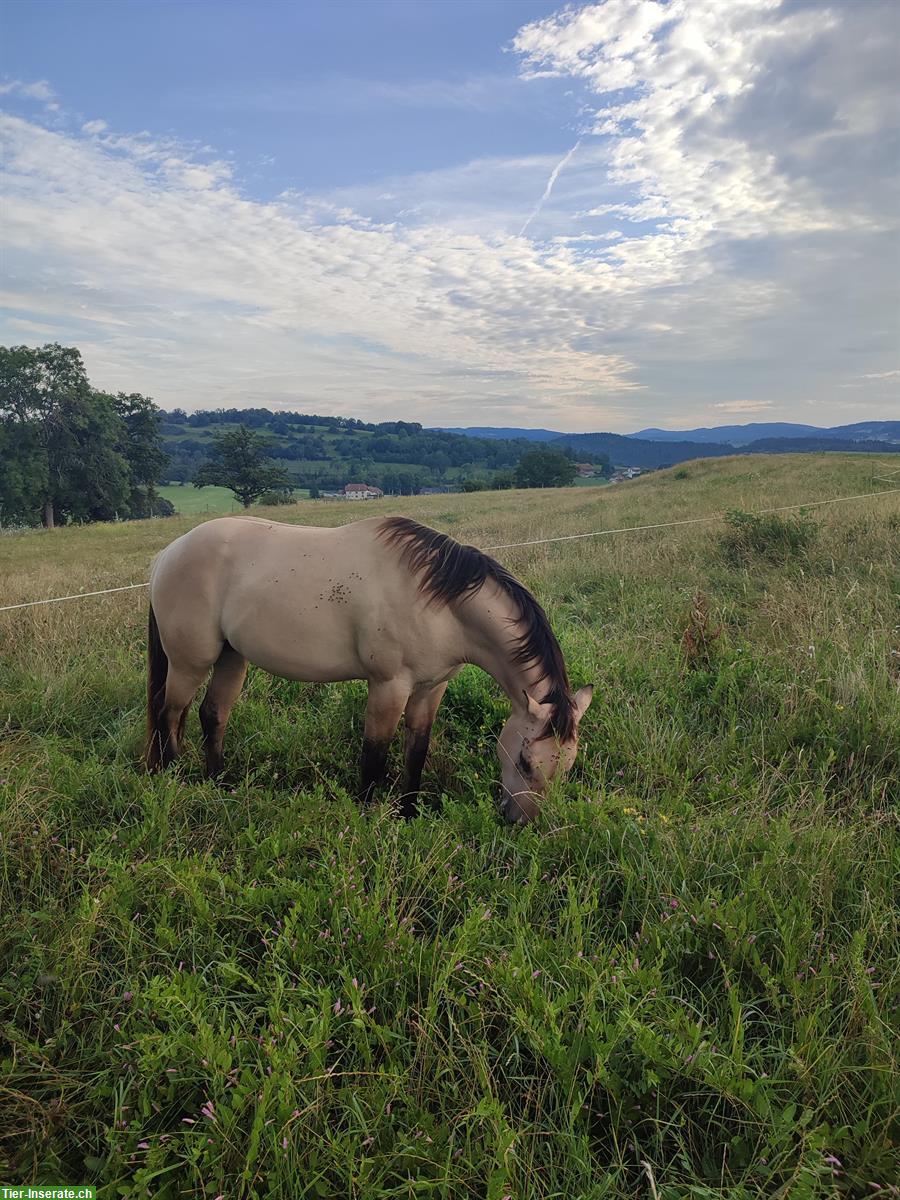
x=491, y=627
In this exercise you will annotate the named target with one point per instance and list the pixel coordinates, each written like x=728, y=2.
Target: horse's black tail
x=157, y=670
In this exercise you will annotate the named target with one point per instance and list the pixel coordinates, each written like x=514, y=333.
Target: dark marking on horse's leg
x=224, y=688
x=156, y=706
x=169, y=711
x=168, y=736
x=373, y=766
x=213, y=737
x=384, y=707
x=421, y=709
x=416, y=751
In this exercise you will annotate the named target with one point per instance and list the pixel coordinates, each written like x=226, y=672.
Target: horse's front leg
x=383, y=711
x=419, y=718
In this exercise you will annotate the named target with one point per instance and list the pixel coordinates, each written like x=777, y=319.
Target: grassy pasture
x=209, y=501
x=681, y=982
x=192, y=501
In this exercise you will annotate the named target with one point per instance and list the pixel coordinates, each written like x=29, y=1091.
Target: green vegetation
x=239, y=460
x=767, y=536
x=400, y=457
x=680, y=982
x=589, y=481
x=69, y=452
x=545, y=468
x=188, y=500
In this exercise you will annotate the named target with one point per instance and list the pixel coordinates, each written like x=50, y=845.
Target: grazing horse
x=386, y=600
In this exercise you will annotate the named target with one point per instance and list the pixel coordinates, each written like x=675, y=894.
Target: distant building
x=585, y=470
x=361, y=491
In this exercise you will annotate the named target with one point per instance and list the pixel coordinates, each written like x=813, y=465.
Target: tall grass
x=682, y=981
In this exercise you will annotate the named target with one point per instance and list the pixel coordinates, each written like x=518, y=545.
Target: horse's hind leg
x=182, y=684
x=224, y=688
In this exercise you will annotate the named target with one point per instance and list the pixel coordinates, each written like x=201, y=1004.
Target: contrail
x=554, y=175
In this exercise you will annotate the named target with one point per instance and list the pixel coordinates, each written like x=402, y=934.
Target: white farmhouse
x=361, y=491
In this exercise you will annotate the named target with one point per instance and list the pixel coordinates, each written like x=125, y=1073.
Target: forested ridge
x=72, y=452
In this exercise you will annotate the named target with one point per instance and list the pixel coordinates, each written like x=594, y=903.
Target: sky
x=602, y=217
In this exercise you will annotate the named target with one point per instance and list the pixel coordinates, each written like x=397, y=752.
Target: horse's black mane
x=451, y=571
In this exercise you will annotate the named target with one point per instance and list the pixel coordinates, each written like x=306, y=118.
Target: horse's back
x=302, y=601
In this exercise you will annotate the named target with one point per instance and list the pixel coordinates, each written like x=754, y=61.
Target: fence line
x=77, y=596
x=570, y=537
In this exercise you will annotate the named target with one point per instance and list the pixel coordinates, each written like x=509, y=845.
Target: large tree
x=545, y=468
x=65, y=437
x=38, y=389
x=142, y=446
x=23, y=473
x=91, y=477
x=240, y=460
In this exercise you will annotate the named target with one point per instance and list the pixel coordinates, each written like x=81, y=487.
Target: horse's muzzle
x=519, y=809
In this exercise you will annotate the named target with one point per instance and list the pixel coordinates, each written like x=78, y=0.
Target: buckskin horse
x=386, y=600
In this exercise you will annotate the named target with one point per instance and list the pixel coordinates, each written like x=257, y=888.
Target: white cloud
x=744, y=406
x=165, y=261
x=38, y=89
x=676, y=140
x=721, y=238
x=752, y=142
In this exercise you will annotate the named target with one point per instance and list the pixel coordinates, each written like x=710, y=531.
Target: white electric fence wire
x=570, y=537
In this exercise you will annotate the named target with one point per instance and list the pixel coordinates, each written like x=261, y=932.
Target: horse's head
x=531, y=755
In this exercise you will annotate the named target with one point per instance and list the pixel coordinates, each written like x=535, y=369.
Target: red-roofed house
x=361, y=491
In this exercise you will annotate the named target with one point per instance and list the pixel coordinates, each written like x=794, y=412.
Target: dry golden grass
x=859, y=538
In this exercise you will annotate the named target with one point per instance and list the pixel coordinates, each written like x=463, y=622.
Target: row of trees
x=536, y=469
x=71, y=452
x=241, y=461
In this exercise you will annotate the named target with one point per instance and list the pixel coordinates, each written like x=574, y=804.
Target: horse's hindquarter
x=317, y=604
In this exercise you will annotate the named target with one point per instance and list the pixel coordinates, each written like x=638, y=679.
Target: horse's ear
x=582, y=699
x=535, y=709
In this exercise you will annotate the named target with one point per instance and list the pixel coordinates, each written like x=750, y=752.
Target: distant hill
x=635, y=452
x=631, y=452
x=665, y=447
x=742, y=435
x=499, y=431
x=402, y=457
x=328, y=452
x=735, y=435
x=879, y=431
x=813, y=445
